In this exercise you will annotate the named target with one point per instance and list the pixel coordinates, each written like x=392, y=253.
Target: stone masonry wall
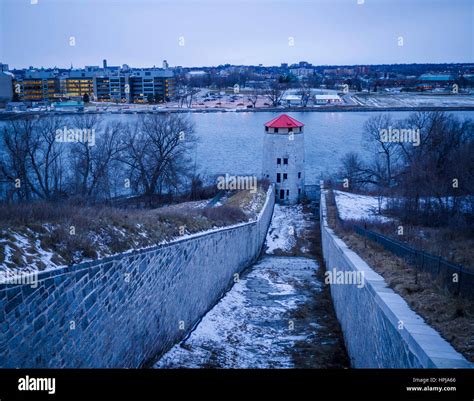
x=380, y=330
x=124, y=310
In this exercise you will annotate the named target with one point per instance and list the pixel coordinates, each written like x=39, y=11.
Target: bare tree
x=382, y=148
x=355, y=171
x=157, y=152
x=254, y=95
x=81, y=152
x=305, y=91
x=428, y=179
x=35, y=157
x=275, y=92
x=93, y=162
x=14, y=158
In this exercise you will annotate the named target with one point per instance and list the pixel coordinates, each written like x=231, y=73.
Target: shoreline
x=322, y=109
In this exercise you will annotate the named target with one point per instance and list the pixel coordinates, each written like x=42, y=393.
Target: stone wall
x=124, y=310
x=380, y=330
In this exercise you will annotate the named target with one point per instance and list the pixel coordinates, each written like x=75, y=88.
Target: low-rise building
x=68, y=106
x=291, y=99
x=327, y=99
x=16, y=106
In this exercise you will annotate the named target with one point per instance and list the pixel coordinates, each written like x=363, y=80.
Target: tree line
x=423, y=164
x=52, y=157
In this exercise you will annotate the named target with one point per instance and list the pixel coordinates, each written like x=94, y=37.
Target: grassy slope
x=39, y=236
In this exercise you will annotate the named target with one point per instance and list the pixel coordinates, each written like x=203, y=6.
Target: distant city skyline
x=141, y=33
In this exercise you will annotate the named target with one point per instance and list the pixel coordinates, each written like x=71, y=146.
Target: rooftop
x=283, y=121
x=436, y=77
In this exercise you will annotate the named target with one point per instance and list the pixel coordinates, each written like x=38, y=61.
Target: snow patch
x=360, y=207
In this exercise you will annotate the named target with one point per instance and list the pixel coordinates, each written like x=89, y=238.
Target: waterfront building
x=38, y=85
x=329, y=98
x=151, y=85
x=77, y=83
x=68, y=106
x=111, y=87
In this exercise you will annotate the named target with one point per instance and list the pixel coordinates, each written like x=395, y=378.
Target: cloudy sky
x=212, y=32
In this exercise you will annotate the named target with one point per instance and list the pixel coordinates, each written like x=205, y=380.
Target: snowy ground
x=272, y=317
x=288, y=222
x=360, y=207
x=251, y=327
x=414, y=100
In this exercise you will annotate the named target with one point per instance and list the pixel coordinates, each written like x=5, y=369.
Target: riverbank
x=6, y=115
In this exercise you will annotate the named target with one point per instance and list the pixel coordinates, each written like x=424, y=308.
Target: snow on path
x=288, y=222
x=250, y=326
x=254, y=325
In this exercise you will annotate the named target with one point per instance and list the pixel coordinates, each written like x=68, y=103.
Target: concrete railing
x=380, y=330
x=124, y=310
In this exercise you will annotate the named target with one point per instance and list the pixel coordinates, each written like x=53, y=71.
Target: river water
x=233, y=142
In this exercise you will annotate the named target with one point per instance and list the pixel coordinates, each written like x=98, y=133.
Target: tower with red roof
x=283, y=158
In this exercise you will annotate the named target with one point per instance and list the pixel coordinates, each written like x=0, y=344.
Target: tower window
x=282, y=194
x=278, y=177
x=299, y=191
x=287, y=192
x=299, y=175
x=285, y=176
x=278, y=161
x=285, y=160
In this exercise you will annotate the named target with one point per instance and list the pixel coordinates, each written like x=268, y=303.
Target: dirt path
x=278, y=315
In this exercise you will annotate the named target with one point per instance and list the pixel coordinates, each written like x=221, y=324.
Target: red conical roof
x=284, y=121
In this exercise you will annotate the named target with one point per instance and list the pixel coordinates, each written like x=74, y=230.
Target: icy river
x=276, y=315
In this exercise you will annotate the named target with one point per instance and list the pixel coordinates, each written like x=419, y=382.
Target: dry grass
x=456, y=246
x=40, y=235
x=452, y=317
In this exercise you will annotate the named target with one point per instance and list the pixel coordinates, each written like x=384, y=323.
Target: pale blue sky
x=144, y=32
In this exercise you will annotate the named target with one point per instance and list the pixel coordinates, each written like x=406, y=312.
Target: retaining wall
x=380, y=330
x=124, y=310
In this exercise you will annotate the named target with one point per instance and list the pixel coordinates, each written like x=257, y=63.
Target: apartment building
x=77, y=83
x=137, y=86
x=37, y=86
x=151, y=86
x=111, y=88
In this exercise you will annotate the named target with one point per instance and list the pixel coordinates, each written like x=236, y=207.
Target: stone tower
x=283, y=158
